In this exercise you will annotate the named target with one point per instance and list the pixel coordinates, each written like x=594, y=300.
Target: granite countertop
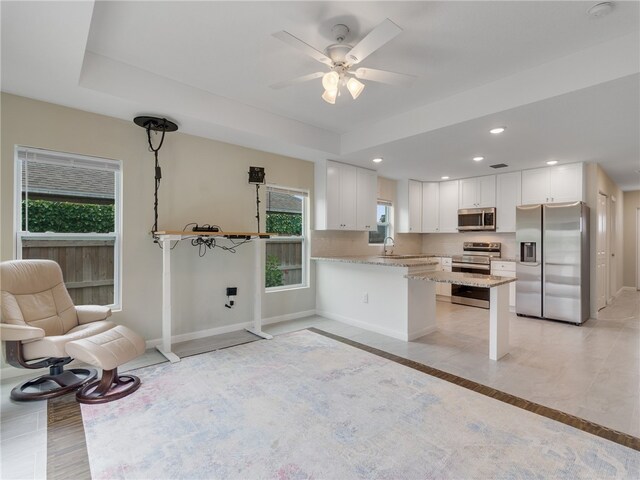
x=503, y=259
x=416, y=261
x=466, y=279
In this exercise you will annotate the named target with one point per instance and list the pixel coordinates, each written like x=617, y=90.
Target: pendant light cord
x=158, y=175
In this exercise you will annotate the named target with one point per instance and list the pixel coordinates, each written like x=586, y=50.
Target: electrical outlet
x=365, y=297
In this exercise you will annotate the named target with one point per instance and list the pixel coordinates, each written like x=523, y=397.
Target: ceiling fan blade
x=377, y=37
x=382, y=76
x=295, y=42
x=293, y=81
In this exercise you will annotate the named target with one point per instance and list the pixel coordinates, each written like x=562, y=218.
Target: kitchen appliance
x=552, y=264
x=477, y=219
x=476, y=258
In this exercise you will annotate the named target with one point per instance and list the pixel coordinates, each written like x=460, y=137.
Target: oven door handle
x=471, y=266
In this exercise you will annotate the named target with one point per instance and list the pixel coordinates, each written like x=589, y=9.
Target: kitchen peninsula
x=397, y=296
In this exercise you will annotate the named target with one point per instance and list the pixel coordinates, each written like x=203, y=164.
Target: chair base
x=51, y=386
x=109, y=388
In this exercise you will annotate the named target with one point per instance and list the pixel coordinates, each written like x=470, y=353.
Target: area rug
x=306, y=406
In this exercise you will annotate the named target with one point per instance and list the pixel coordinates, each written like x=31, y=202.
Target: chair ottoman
x=108, y=350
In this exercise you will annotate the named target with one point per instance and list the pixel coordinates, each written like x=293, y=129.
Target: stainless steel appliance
x=475, y=259
x=552, y=264
x=476, y=219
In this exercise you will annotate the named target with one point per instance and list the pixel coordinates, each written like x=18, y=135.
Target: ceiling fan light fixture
x=355, y=87
x=329, y=96
x=330, y=80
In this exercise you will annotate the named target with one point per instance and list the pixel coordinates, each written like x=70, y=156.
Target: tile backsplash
x=334, y=243
x=451, y=243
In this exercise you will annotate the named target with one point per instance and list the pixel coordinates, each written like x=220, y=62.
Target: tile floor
x=592, y=371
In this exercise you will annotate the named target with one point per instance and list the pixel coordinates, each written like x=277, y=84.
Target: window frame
x=388, y=224
x=116, y=236
x=303, y=239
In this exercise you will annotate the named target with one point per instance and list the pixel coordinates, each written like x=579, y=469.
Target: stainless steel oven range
x=476, y=258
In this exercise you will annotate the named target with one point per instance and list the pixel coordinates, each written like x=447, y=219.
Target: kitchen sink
x=402, y=256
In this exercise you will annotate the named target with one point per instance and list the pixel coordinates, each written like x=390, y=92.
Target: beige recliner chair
x=38, y=319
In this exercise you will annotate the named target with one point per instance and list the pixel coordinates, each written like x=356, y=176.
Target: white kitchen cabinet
x=448, y=207
x=557, y=184
x=508, y=197
x=337, y=199
x=478, y=192
x=430, y=207
x=366, y=199
x=506, y=269
x=409, y=208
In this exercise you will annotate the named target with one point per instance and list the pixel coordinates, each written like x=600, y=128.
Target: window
x=384, y=223
x=286, y=262
x=68, y=210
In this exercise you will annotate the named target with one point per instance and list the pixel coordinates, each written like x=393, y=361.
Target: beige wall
x=203, y=181
x=630, y=240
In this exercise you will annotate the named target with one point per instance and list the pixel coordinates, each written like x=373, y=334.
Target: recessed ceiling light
x=478, y=159
x=497, y=130
x=552, y=162
x=445, y=178
x=377, y=160
x=600, y=9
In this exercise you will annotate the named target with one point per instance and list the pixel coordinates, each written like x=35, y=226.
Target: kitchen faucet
x=384, y=243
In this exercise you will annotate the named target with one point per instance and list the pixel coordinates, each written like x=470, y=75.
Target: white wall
x=203, y=181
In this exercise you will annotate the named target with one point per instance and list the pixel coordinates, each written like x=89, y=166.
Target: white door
x=508, y=197
x=565, y=183
x=535, y=186
x=367, y=193
x=448, y=211
x=468, y=193
x=486, y=191
x=348, y=197
x=601, y=251
x=430, y=206
x=333, y=196
x=638, y=249
x=415, y=206
x=613, y=268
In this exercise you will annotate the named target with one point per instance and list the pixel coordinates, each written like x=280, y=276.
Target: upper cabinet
x=479, y=192
x=366, y=199
x=508, y=197
x=448, y=207
x=557, y=184
x=345, y=197
x=409, y=209
x=430, y=207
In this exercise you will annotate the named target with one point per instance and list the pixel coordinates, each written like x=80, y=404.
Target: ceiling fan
x=342, y=59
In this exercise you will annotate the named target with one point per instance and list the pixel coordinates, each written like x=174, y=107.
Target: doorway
x=601, y=252
x=638, y=249
x=611, y=255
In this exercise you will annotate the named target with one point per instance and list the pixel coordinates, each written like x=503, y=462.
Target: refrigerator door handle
x=580, y=224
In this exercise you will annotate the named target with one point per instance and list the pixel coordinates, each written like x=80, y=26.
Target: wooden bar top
x=190, y=233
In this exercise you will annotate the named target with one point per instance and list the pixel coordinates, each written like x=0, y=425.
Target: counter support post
x=499, y=321
x=165, y=347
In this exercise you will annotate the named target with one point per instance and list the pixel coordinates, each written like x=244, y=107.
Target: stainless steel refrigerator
x=552, y=264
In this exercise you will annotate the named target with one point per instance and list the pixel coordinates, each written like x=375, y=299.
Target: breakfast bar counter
x=498, y=302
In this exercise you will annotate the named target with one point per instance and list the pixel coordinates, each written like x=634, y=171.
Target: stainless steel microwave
x=476, y=219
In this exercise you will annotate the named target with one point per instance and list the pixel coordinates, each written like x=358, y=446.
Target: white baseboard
x=288, y=316
x=234, y=327
x=365, y=326
x=422, y=333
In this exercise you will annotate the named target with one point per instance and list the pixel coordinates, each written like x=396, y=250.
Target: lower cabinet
x=444, y=289
x=506, y=269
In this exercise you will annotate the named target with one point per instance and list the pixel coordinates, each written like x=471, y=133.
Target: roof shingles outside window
x=59, y=181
